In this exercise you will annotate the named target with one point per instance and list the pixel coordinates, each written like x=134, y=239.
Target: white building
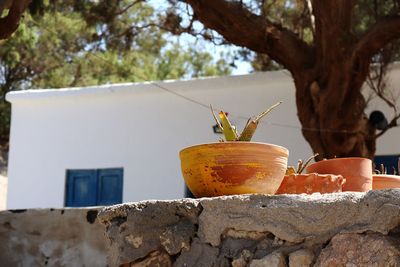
x=137, y=130
x=3, y=192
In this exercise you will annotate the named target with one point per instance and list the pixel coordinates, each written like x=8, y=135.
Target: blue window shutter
x=81, y=188
x=109, y=186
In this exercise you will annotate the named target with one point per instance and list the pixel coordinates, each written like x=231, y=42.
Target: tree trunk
x=328, y=73
x=334, y=126
x=328, y=95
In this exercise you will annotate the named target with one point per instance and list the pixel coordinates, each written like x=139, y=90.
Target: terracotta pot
x=356, y=171
x=311, y=183
x=385, y=181
x=229, y=168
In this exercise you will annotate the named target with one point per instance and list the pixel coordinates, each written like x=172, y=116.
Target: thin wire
x=314, y=129
x=207, y=106
x=180, y=95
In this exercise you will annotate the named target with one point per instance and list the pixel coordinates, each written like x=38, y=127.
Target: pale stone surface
x=299, y=218
x=301, y=258
x=275, y=259
x=52, y=237
x=360, y=250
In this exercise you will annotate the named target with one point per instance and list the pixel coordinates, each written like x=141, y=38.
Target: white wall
x=141, y=128
x=3, y=192
x=389, y=143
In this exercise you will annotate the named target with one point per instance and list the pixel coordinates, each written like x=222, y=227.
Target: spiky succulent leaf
x=261, y=115
x=248, y=131
x=228, y=130
x=216, y=120
x=290, y=170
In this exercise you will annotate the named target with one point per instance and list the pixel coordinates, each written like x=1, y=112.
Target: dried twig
x=307, y=162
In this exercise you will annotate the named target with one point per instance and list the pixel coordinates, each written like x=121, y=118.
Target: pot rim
x=238, y=143
x=346, y=158
x=314, y=173
x=338, y=159
x=386, y=175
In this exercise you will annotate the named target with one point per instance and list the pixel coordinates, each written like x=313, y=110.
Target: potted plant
x=295, y=182
x=356, y=171
x=234, y=165
x=382, y=180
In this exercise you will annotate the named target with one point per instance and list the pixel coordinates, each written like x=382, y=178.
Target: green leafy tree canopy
x=82, y=43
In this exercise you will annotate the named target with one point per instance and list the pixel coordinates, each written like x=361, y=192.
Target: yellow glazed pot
x=229, y=168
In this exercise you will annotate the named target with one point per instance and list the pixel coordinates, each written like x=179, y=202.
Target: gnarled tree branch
x=241, y=27
x=125, y=9
x=9, y=23
x=384, y=31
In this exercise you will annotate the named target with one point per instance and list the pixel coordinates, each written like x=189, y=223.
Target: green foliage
x=290, y=14
x=82, y=43
x=296, y=16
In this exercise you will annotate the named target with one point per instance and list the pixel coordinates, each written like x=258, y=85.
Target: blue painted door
x=94, y=187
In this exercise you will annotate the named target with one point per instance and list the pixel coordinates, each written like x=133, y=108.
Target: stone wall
x=52, y=237
x=345, y=229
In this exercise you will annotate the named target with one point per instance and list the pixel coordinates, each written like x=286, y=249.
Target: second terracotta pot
x=311, y=183
x=356, y=171
x=385, y=181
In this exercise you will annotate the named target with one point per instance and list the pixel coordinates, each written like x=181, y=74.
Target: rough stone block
x=301, y=258
x=299, y=218
x=244, y=258
x=360, y=250
x=135, y=230
x=199, y=255
x=216, y=231
x=52, y=237
x=275, y=259
x=156, y=258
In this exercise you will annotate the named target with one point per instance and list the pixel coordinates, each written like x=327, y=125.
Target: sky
x=242, y=67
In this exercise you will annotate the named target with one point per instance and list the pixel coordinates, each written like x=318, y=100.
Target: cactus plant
x=235, y=165
x=383, y=169
x=229, y=130
x=301, y=165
